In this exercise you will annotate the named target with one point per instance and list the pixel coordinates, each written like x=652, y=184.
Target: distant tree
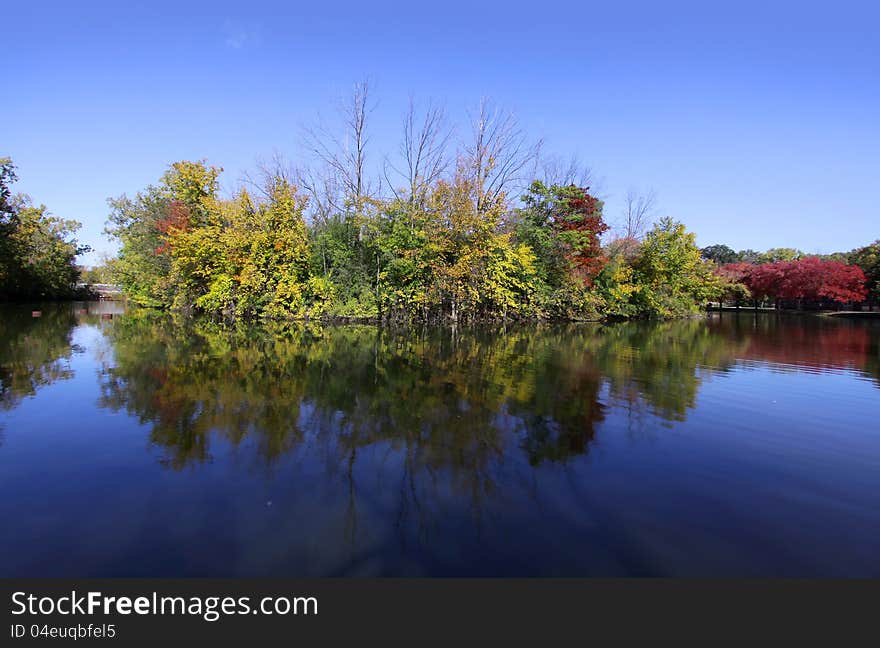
x=813, y=279
x=780, y=254
x=146, y=225
x=498, y=156
x=810, y=279
x=7, y=177
x=868, y=259
x=423, y=153
x=720, y=254
x=7, y=220
x=748, y=256
x=342, y=154
x=735, y=275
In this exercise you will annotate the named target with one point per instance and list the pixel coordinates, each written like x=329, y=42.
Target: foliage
x=775, y=255
x=868, y=259
x=455, y=253
x=720, y=254
x=725, y=255
x=37, y=250
x=562, y=224
x=671, y=276
x=809, y=279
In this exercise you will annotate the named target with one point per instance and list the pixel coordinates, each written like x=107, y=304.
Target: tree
x=749, y=256
x=7, y=177
x=343, y=154
x=37, y=250
x=497, y=158
x=637, y=213
x=147, y=224
x=557, y=170
x=868, y=259
x=811, y=280
x=720, y=254
x=7, y=222
x=780, y=254
x=444, y=240
x=735, y=276
x=671, y=276
x=563, y=225
x=814, y=280
x=423, y=152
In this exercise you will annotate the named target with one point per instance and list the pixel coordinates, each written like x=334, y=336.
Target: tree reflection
x=450, y=400
x=792, y=342
x=660, y=365
x=35, y=347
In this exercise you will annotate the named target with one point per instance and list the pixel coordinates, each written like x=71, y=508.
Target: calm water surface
x=135, y=445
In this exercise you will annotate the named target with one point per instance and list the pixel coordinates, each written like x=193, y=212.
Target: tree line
x=786, y=276
x=476, y=227
x=485, y=229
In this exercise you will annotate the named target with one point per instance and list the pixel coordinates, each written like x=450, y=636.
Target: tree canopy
x=37, y=250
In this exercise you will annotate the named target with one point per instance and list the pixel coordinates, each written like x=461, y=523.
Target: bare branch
x=344, y=156
x=499, y=155
x=422, y=150
x=556, y=170
x=269, y=172
x=638, y=211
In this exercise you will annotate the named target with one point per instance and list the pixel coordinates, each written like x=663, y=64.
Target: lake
x=134, y=444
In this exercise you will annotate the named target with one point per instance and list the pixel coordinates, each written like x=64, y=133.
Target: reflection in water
x=467, y=445
x=35, y=347
x=446, y=396
x=812, y=343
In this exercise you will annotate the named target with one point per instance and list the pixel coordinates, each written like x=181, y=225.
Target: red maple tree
x=580, y=217
x=809, y=279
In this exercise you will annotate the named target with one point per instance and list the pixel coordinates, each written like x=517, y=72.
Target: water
x=739, y=445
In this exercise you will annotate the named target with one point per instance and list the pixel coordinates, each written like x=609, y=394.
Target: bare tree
x=499, y=156
x=422, y=152
x=638, y=210
x=322, y=188
x=557, y=170
x=344, y=156
x=269, y=172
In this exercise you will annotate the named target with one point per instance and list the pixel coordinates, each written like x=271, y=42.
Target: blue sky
x=755, y=123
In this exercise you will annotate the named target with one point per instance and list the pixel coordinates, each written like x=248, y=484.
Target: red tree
x=580, y=222
x=813, y=279
x=809, y=279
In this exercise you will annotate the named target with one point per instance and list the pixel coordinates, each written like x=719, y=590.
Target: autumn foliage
x=579, y=222
x=176, y=218
x=810, y=279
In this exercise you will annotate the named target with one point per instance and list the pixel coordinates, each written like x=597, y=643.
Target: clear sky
x=755, y=123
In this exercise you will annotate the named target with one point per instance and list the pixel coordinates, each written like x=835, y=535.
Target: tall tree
x=498, y=156
x=638, y=211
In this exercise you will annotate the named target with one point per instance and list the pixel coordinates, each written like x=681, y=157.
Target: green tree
x=37, y=250
x=780, y=254
x=868, y=259
x=672, y=277
x=720, y=254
